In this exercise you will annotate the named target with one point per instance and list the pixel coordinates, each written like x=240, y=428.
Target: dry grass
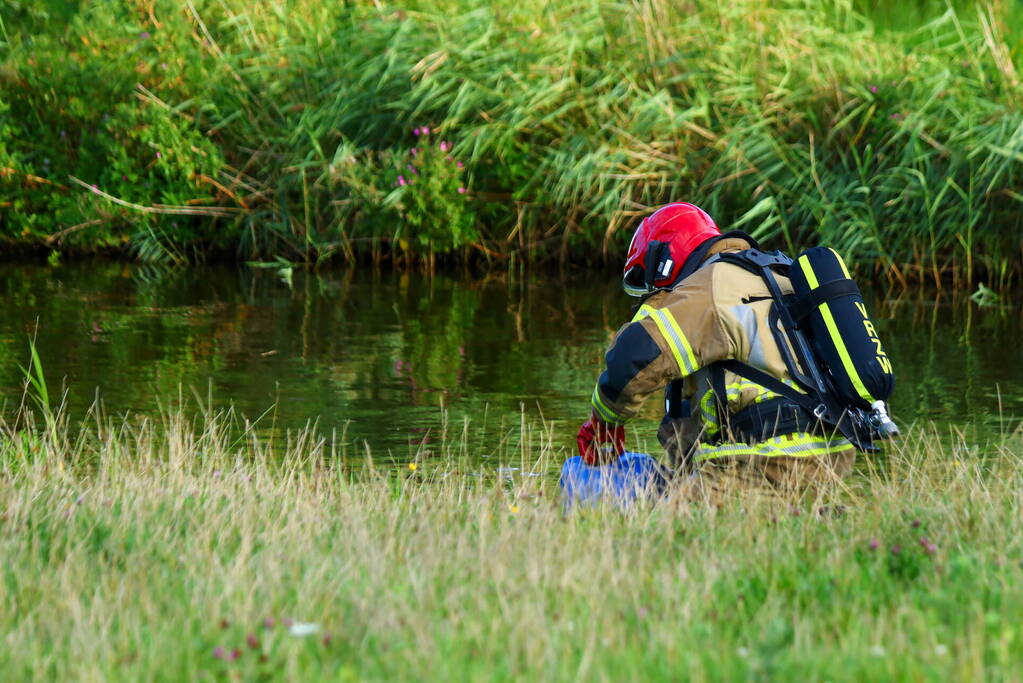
x=133, y=549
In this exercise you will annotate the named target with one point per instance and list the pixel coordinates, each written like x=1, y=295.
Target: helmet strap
x=657, y=263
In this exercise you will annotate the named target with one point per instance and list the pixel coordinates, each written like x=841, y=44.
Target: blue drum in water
x=632, y=476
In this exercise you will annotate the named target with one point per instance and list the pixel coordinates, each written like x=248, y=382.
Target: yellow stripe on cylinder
x=829, y=321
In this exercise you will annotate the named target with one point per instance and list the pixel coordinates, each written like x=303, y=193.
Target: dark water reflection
x=381, y=352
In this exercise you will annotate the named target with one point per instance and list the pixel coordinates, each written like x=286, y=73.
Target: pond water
x=378, y=354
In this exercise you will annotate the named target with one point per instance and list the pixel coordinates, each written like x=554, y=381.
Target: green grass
x=135, y=548
x=280, y=129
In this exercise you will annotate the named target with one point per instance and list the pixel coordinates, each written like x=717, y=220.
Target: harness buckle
x=820, y=411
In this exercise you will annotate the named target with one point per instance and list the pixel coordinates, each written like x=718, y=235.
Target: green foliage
x=984, y=296
x=75, y=110
x=283, y=126
x=35, y=381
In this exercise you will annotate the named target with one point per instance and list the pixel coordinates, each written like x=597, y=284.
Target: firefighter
x=694, y=311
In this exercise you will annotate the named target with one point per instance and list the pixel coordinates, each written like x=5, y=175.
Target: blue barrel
x=630, y=477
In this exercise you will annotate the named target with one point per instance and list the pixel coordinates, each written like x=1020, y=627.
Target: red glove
x=593, y=434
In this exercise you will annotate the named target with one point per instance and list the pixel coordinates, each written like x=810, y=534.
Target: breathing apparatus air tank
x=828, y=304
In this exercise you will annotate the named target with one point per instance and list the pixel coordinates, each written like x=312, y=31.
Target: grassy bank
x=288, y=129
x=172, y=549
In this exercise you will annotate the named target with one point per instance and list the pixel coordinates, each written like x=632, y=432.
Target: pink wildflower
x=445, y=145
x=401, y=181
x=415, y=131
x=461, y=190
x=426, y=131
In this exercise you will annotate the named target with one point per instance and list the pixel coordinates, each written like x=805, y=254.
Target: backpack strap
x=717, y=385
x=803, y=307
x=696, y=259
x=792, y=411
x=771, y=383
x=819, y=398
x=772, y=417
x=818, y=409
x=755, y=260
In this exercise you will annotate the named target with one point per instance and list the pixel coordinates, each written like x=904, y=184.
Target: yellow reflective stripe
x=709, y=414
x=677, y=341
x=739, y=449
x=603, y=411
x=799, y=445
x=643, y=312
x=838, y=258
x=829, y=321
x=734, y=389
x=690, y=356
x=655, y=316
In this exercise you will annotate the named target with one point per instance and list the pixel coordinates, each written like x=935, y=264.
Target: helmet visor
x=634, y=282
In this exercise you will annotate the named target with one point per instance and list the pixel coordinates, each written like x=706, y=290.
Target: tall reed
x=282, y=129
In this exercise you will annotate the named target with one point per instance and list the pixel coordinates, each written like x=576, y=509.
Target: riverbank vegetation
x=526, y=130
x=175, y=548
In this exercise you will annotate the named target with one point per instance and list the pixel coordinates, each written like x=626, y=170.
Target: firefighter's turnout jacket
x=720, y=312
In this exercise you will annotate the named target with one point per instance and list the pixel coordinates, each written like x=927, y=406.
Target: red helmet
x=662, y=243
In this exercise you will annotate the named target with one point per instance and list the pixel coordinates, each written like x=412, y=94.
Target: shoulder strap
x=693, y=263
x=755, y=260
x=696, y=259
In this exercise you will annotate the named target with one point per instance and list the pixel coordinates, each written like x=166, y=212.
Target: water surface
x=379, y=354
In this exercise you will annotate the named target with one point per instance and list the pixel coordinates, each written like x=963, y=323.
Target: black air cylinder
x=828, y=304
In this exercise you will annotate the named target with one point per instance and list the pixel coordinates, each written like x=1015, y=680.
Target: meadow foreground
x=190, y=549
